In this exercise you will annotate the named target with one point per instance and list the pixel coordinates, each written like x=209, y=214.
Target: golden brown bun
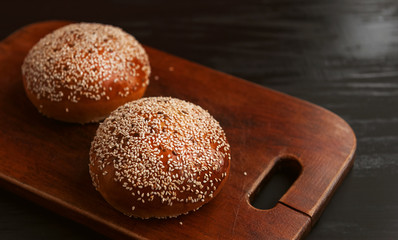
x=82, y=72
x=159, y=157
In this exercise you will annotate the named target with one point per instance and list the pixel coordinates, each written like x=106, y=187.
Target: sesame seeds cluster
x=161, y=150
x=82, y=61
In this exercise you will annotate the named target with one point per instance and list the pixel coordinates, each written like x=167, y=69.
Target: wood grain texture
x=46, y=160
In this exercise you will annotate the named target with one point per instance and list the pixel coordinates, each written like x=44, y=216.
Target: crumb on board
x=180, y=223
x=245, y=173
x=171, y=68
x=156, y=77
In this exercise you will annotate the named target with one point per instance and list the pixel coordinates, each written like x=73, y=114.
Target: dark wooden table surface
x=341, y=54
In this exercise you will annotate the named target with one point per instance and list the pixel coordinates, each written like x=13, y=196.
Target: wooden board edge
x=65, y=209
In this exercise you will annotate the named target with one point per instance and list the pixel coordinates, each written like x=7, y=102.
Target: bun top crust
x=79, y=62
x=162, y=151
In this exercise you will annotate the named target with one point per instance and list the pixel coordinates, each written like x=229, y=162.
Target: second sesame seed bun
x=81, y=72
x=159, y=157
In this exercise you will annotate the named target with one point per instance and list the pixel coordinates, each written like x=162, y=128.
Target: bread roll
x=159, y=157
x=81, y=72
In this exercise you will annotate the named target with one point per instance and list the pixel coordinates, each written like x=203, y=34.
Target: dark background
x=339, y=54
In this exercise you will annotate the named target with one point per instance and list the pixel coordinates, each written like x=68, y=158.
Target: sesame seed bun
x=82, y=72
x=159, y=157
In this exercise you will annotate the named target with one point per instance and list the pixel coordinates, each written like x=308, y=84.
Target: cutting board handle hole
x=276, y=183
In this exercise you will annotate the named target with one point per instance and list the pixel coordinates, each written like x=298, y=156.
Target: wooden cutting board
x=46, y=161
